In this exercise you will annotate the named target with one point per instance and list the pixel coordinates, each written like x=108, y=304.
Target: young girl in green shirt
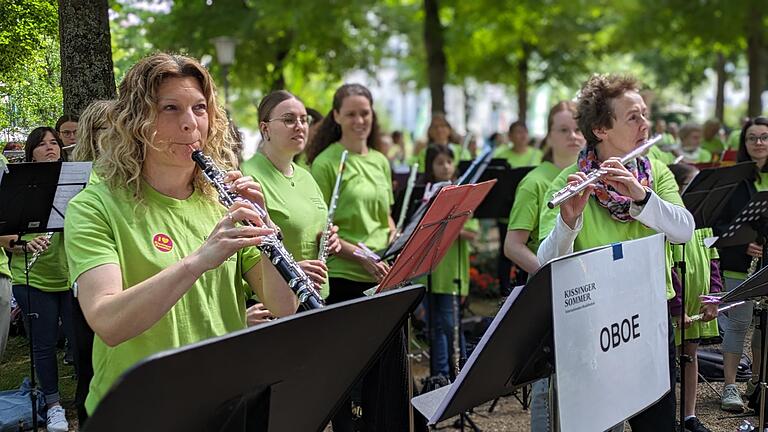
x=449, y=281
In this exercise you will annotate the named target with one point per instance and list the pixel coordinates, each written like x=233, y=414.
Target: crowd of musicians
x=149, y=260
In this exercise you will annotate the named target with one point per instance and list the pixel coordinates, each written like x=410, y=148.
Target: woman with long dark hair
x=48, y=295
x=736, y=260
x=365, y=226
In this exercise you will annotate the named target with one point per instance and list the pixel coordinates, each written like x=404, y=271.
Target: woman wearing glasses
x=294, y=200
x=66, y=126
x=735, y=261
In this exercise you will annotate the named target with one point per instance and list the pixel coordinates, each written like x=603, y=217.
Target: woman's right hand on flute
x=228, y=237
x=571, y=209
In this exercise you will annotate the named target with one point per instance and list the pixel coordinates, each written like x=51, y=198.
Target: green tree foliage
x=679, y=39
x=24, y=26
x=519, y=43
x=277, y=40
x=29, y=65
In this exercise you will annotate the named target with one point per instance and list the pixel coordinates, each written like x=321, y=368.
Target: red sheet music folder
x=436, y=232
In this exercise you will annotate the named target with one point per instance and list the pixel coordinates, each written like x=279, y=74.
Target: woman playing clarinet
x=158, y=261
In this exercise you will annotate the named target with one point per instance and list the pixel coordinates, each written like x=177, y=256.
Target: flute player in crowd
x=632, y=200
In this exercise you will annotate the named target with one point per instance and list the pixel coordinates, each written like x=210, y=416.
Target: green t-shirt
x=599, y=228
x=453, y=266
x=94, y=178
x=701, y=156
x=529, y=198
x=106, y=226
x=733, y=139
x=49, y=272
x=362, y=211
x=667, y=140
x=762, y=184
x=697, y=282
x=714, y=146
x=294, y=203
x=531, y=157
x=659, y=154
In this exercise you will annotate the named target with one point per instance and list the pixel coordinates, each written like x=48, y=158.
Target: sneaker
x=694, y=425
x=57, y=420
x=731, y=400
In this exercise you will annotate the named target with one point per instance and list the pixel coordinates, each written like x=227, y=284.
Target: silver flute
x=271, y=245
x=322, y=253
x=36, y=255
x=570, y=191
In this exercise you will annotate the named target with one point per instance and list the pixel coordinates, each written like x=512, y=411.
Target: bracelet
x=644, y=201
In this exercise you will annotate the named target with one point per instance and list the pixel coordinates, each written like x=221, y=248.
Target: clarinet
x=322, y=254
x=35, y=255
x=271, y=245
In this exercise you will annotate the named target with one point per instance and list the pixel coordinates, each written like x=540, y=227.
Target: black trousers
x=384, y=388
x=83, y=353
x=661, y=415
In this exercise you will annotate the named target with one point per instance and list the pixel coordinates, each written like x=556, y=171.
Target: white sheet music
x=72, y=179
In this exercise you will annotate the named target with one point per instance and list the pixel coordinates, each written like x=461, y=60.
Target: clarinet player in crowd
x=158, y=262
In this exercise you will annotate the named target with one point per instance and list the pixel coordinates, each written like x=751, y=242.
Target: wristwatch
x=644, y=201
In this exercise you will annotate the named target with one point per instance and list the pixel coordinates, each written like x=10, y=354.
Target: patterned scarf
x=616, y=204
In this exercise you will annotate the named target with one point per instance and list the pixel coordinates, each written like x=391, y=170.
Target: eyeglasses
x=753, y=139
x=290, y=122
x=68, y=133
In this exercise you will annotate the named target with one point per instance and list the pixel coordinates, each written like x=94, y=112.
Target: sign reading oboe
x=271, y=246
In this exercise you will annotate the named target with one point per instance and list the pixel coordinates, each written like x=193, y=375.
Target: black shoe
x=694, y=425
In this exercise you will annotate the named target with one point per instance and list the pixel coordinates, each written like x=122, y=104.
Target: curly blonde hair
x=131, y=124
x=92, y=122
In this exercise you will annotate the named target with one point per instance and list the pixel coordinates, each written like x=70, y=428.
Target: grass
x=15, y=366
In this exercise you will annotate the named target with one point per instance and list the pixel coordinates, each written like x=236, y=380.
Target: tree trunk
x=278, y=74
x=522, y=84
x=755, y=49
x=436, y=62
x=86, y=53
x=720, y=96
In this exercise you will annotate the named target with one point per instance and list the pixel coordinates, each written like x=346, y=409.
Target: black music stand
x=291, y=374
x=497, y=367
x=711, y=189
x=30, y=189
x=414, y=203
x=499, y=201
x=38, y=197
x=705, y=197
